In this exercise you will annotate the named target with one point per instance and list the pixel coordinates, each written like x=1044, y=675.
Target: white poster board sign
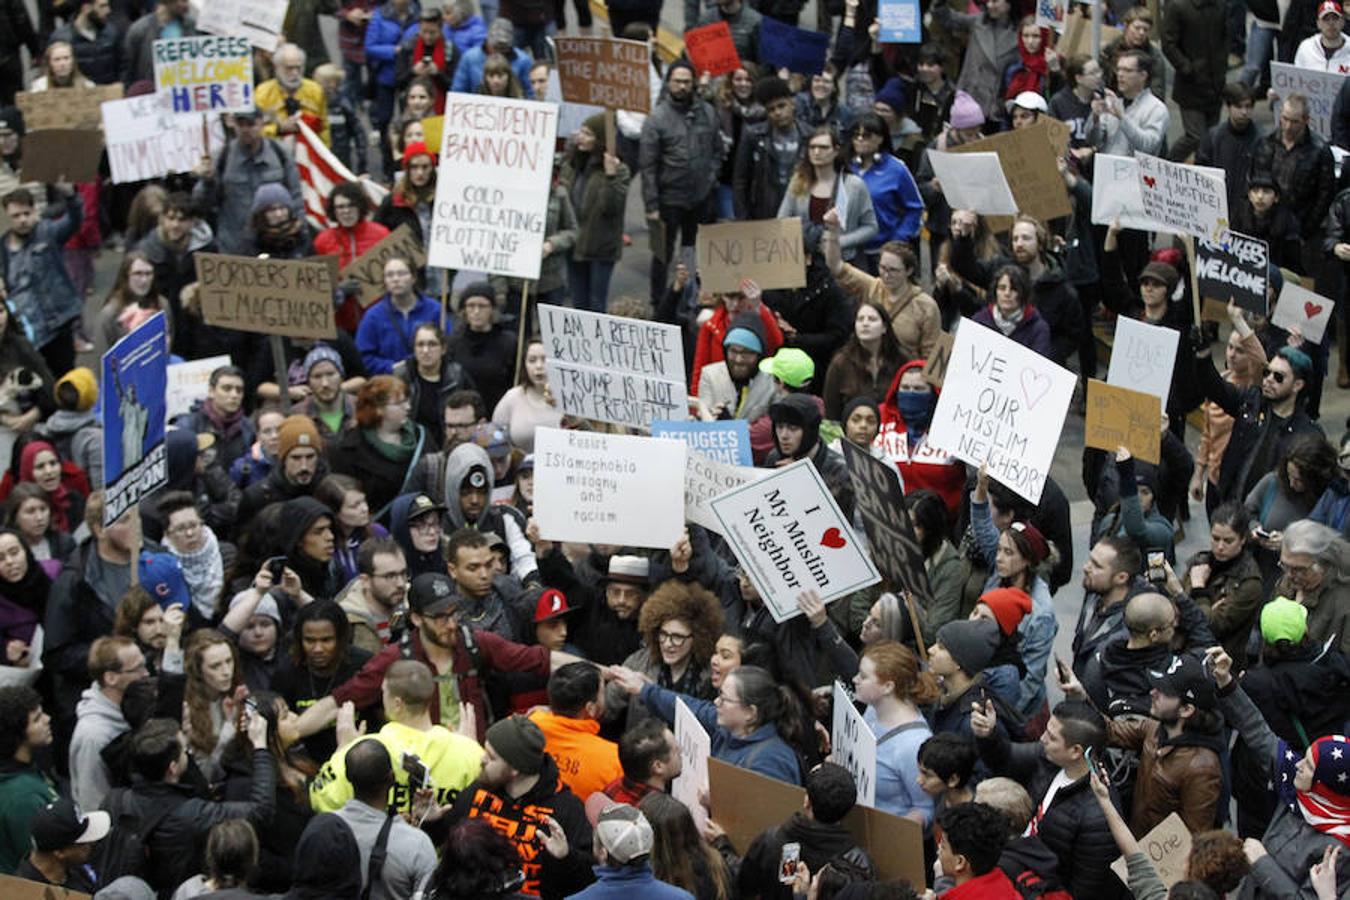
x=854, y=746
x=189, y=382
x=788, y=533
x=1142, y=357
x=1183, y=199
x=608, y=488
x=492, y=185
x=258, y=20
x=695, y=748
x=973, y=181
x=146, y=140
x=204, y=73
x=1115, y=193
x=707, y=479
x=1302, y=309
x=1004, y=405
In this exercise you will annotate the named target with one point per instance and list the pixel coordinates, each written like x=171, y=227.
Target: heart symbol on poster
x=1035, y=385
x=1139, y=369
x=1312, y=310
x=1150, y=181
x=832, y=538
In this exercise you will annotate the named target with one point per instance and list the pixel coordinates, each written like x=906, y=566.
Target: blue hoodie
x=626, y=882
x=895, y=200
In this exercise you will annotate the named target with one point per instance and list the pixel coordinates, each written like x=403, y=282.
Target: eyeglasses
x=1296, y=570
x=185, y=528
x=400, y=575
x=426, y=523
x=672, y=639
x=1268, y=372
x=721, y=699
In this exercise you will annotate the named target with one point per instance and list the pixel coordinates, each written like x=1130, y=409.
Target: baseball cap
x=624, y=832
x=493, y=440
x=1284, y=620
x=790, y=365
x=1185, y=677
x=476, y=478
x=421, y=505
x=1329, y=7
x=1031, y=100
x=63, y=824
x=431, y=594
x=552, y=605
x=162, y=577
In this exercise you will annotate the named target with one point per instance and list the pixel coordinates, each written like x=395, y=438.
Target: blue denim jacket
x=46, y=300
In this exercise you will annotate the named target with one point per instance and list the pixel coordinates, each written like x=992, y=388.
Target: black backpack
x=126, y=849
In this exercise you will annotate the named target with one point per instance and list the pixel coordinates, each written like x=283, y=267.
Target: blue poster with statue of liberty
x=134, y=388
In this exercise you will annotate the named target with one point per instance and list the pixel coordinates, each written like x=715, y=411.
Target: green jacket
x=24, y=789
x=599, y=205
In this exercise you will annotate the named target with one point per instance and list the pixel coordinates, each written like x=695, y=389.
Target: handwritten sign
x=900, y=22
x=788, y=533
x=59, y=153
x=205, y=74
x=146, y=140
x=492, y=189
x=1142, y=357
x=712, y=50
x=890, y=532
x=1027, y=157
x=705, y=480
x=1077, y=39
x=695, y=751
x=367, y=269
x=290, y=297
x=1302, y=309
x=1168, y=847
x=605, y=72
x=189, y=382
x=767, y=251
x=1234, y=269
x=1182, y=198
x=260, y=21
x=1120, y=417
x=854, y=746
x=1115, y=193
x=724, y=441
x=608, y=488
x=133, y=416
x=73, y=107
x=1318, y=86
x=935, y=366
x=1004, y=405
x=1050, y=14
x=973, y=181
x=795, y=49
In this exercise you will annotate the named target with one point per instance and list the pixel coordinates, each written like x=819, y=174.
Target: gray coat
x=233, y=181
x=681, y=154
x=857, y=217
x=990, y=49
x=138, y=54
x=410, y=856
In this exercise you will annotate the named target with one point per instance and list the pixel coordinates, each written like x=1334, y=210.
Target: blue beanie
x=892, y=93
x=322, y=353
x=743, y=337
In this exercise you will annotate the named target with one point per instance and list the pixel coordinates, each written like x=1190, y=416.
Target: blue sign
x=794, y=49
x=133, y=395
x=900, y=22
x=725, y=442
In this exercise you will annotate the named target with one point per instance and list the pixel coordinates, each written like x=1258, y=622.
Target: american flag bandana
x=1326, y=806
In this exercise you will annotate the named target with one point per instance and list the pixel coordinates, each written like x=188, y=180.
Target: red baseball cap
x=1329, y=6
x=552, y=604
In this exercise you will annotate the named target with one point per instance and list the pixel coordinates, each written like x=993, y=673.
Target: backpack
x=126, y=849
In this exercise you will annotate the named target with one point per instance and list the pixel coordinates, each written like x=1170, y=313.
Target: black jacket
x=1116, y=677
x=276, y=489
x=820, y=843
x=16, y=30
x=1188, y=41
x=756, y=191
x=1225, y=148
x=802, y=408
x=1306, y=175
x=489, y=358
x=99, y=60
x=453, y=378
x=384, y=479
x=76, y=617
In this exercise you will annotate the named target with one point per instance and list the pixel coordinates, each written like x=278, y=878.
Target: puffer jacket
x=50, y=302
x=384, y=33
x=680, y=154
x=598, y=200
x=99, y=60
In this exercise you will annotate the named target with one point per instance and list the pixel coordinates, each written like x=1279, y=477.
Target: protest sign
x=205, y=74
x=1182, y=198
x=695, y=751
x=767, y=251
x=146, y=140
x=1142, y=357
x=973, y=181
x=723, y=441
x=260, y=21
x=620, y=398
x=571, y=116
x=73, y=107
x=746, y=803
x=705, y=480
x=1050, y=14
x=901, y=22
x=1002, y=404
x=1168, y=847
x=854, y=746
x=1233, y=269
x=711, y=49
x=57, y=153
x=1302, y=309
x=890, y=533
x=605, y=72
x=1115, y=193
x=1077, y=37
x=608, y=488
x=16, y=888
x=367, y=269
x=287, y=297
x=795, y=49
x=188, y=382
x=935, y=366
x=1320, y=87
x=788, y=533
x=1027, y=157
x=493, y=184
x=1120, y=417
x=135, y=380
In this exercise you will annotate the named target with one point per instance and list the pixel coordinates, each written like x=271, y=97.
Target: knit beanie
x=414, y=150
x=520, y=742
x=1009, y=606
x=771, y=88
x=322, y=353
x=966, y=113
x=269, y=195
x=297, y=431
x=971, y=643
x=892, y=94
x=1031, y=542
x=1284, y=620
x=85, y=385
x=746, y=330
x=596, y=126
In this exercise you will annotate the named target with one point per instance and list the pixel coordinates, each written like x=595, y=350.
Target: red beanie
x=416, y=148
x=1009, y=606
x=1032, y=543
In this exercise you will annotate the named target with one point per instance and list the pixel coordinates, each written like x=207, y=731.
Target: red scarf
x=59, y=498
x=1032, y=75
x=438, y=59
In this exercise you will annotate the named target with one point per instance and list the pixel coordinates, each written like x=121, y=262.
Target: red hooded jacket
x=920, y=465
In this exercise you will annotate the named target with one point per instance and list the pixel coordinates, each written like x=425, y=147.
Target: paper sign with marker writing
x=146, y=140
x=1302, y=309
x=205, y=73
x=1004, y=405
x=794, y=49
x=608, y=488
x=189, y=381
x=1142, y=357
x=767, y=251
x=258, y=20
x=1233, y=269
x=705, y=480
x=788, y=533
x=1183, y=199
x=854, y=746
x=695, y=750
x=712, y=50
x=973, y=181
x=1120, y=417
x=1115, y=193
x=1168, y=847
x=726, y=441
x=901, y=22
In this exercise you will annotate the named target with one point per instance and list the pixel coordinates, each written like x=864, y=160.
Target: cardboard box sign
x=769, y=252
x=288, y=297
x=367, y=269
x=49, y=156
x=76, y=107
x=1120, y=417
x=605, y=72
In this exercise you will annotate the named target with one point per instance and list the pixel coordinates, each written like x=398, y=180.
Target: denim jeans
x=1260, y=50
x=588, y=280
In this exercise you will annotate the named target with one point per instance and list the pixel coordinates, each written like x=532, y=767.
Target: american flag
x=319, y=172
x=1326, y=806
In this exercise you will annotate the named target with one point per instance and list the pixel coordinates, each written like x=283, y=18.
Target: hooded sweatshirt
x=98, y=722
x=502, y=520
x=820, y=843
x=327, y=861
x=318, y=578
x=921, y=465
x=804, y=410
x=418, y=563
x=78, y=436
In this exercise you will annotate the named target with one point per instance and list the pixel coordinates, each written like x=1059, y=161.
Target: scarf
x=437, y=55
x=401, y=452
x=227, y=427
x=279, y=239
x=23, y=603
x=59, y=498
x=1007, y=324
x=1326, y=805
x=203, y=571
x=1032, y=75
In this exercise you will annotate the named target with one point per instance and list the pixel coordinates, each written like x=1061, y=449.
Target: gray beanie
x=971, y=643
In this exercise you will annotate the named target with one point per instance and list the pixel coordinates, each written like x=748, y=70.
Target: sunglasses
x=1268, y=372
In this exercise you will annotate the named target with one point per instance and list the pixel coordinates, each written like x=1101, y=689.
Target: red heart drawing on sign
x=832, y=538
x=1150, y=181
x=1312, y=310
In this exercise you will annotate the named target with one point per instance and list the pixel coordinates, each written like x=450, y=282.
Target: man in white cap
x=622, y=845
x=1026, y=108
x=63, y=840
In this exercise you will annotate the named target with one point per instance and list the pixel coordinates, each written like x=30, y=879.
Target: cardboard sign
x=1004, y=405
x=188, y=382
x=705, y=480
x=57, y=153
x=854, y=746
x=1168, y=847
x=260, y=21
x=1077, y=37
x=608, y=488
x=605, y=72
x=367, y=269
x=973, y=181
x=15, y=888
x=1115, y=193
x=1183, y=199
x=746, y=803
x=1142, y=357
x=1234, y=269
x=492, y=192
x=1320, y=87
x=901, y=22
x=146, y=140
x=289, y=297
x=788, y=533
x=1302, y=309
x=205, y=74
x=1027, y=157
x=74, y=107
x=726, y=442
x=767, y=251
x=711, y=49
x=890, y=533
x=935, y=366
x=795, y=49
x=135, y=380
x=695, y=751
x=1120, y=417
